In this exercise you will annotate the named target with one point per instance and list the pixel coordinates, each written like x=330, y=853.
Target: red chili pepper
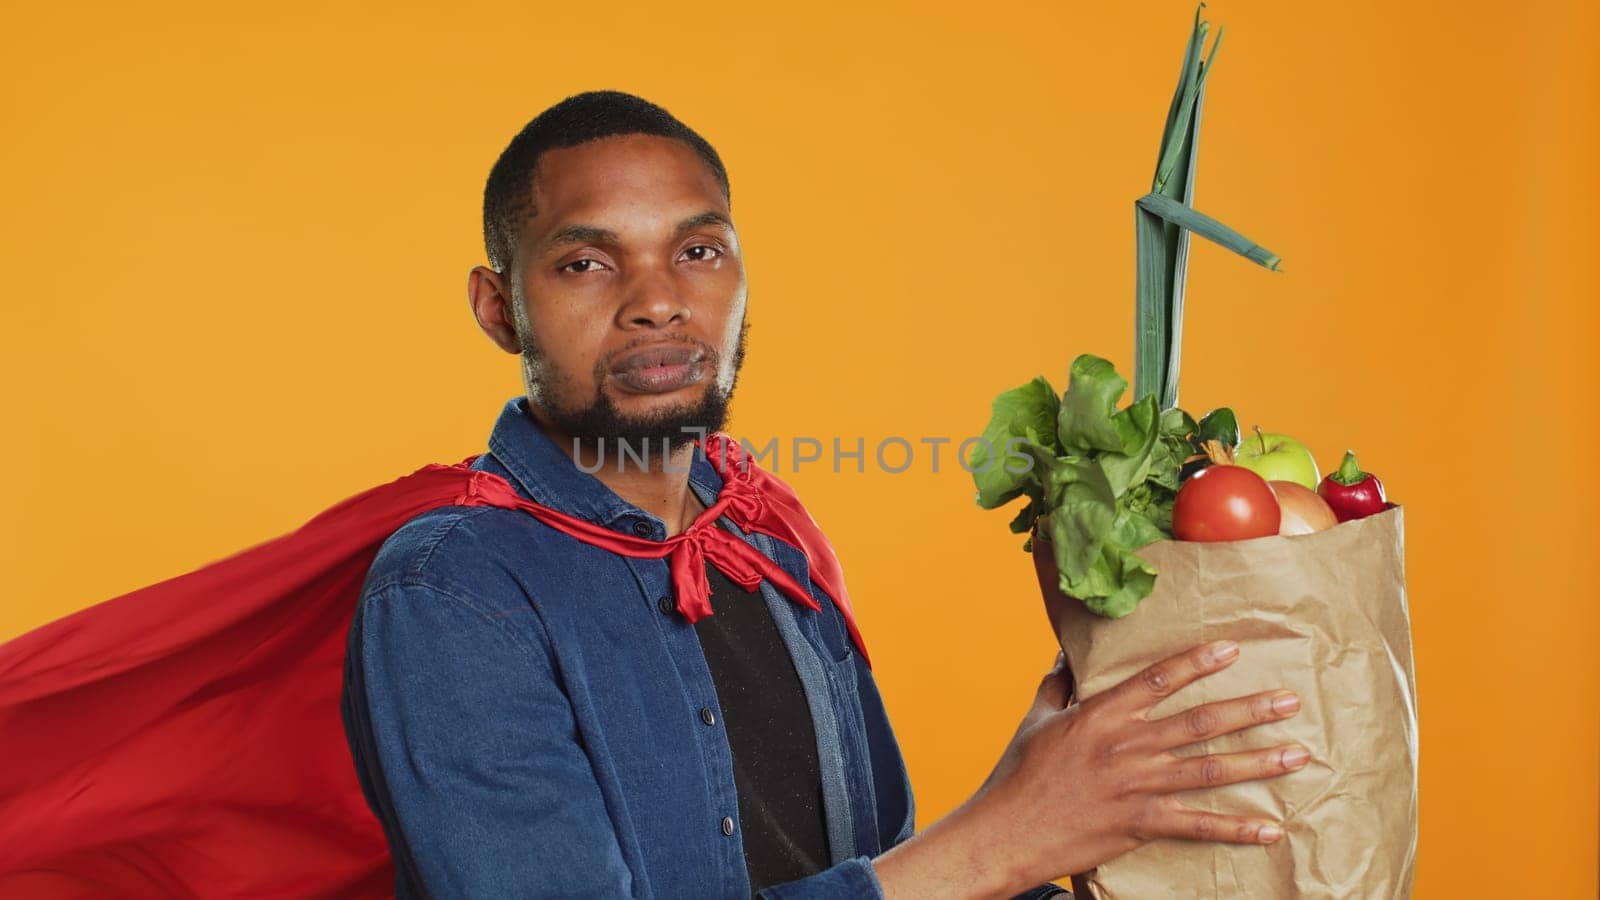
x=1352, y=493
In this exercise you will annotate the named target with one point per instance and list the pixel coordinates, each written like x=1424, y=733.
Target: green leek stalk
x=1164, y=219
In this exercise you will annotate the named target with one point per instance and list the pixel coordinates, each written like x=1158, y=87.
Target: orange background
x=235, y=243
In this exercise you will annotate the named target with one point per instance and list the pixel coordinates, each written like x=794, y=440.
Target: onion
x=1303, y=511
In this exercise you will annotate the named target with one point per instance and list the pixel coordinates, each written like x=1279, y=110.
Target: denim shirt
x=530, y=716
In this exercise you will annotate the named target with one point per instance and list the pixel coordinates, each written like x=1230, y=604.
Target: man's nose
x=652, y=299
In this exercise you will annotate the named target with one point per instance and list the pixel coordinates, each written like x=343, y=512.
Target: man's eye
x=704, y=247
x=568, y=266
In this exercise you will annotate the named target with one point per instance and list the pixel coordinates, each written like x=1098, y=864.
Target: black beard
x=599, y=432
x=600, y=428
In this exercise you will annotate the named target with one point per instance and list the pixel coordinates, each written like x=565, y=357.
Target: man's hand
x=1083, y=783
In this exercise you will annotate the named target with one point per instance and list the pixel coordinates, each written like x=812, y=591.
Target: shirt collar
x=545, y=474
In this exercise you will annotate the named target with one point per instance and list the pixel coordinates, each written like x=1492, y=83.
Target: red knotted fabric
x=185, y=740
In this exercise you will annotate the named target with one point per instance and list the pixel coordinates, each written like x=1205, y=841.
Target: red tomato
x=1225, y=503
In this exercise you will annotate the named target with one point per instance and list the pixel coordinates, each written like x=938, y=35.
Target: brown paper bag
x=1322, y=614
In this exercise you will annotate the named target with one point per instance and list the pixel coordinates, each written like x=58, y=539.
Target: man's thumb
x=1055, y=685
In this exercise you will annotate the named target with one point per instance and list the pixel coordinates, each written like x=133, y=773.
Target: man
x=532, y=714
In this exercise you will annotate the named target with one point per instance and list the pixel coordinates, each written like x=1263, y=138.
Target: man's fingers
x=1147, y=688
x=1174, y=820
x=1217, y=769
x=1209, y=720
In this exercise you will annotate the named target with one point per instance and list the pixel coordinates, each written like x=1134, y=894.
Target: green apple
x=1278, y=457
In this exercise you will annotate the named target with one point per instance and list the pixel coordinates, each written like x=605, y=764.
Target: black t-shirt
x=770, y=734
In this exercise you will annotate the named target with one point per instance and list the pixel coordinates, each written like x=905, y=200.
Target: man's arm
x=475, y=770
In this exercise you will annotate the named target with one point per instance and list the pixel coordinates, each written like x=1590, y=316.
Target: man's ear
x=489, y=296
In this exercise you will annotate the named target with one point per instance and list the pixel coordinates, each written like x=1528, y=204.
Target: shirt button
x=707, y=716
x=727, y=825
x=667, y=606
x=642, y=528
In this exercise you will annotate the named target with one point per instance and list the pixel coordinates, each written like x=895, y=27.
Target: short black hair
x=508, y=195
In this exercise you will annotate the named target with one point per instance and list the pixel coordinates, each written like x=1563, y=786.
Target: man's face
x=629, y=294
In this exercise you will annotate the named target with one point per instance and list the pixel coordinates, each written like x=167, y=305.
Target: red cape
x=185, y=739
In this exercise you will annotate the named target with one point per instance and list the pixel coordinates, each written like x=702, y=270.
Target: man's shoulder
x=448, y=548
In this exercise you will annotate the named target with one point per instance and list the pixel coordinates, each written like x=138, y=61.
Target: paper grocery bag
x=1322, y=614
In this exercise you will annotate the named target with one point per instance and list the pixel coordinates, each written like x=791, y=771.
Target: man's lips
x=659, y=368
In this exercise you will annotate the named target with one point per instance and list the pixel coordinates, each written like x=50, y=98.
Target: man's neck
x=658, y=486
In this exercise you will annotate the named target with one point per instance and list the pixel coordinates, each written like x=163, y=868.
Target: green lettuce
x=1099, y=480
x=1023, y=417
